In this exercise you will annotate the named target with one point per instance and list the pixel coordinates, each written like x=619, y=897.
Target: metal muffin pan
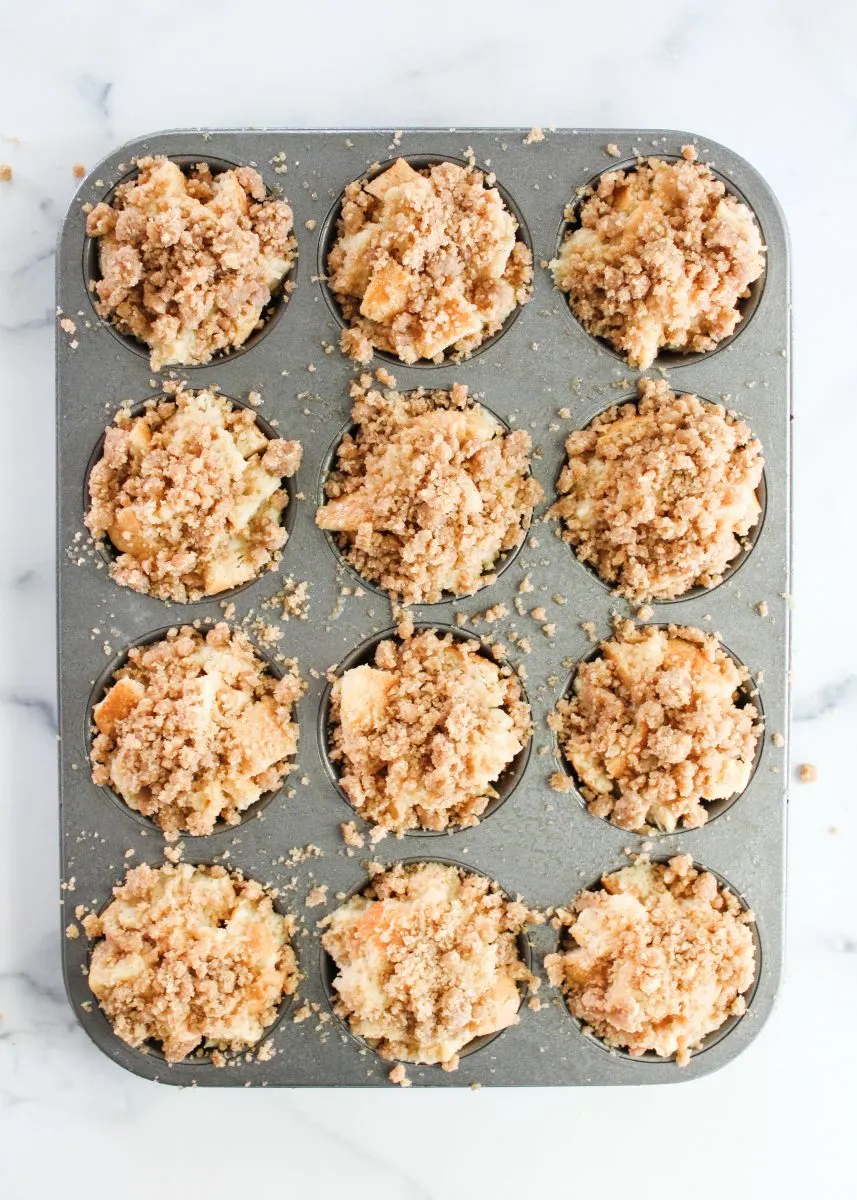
x=538, y=843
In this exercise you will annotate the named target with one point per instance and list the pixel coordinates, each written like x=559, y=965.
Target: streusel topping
x=427, y=960
x=194, y=730
x=189, y=494
x=656, y=726
x=421, y=737
x=658, y=496
x=660, y=259
x=189, y=260
x=426, y=263
x=428, y=491
x=190, y=956
x=658, y=959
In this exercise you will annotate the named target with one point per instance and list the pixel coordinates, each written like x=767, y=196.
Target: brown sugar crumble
x=656, y=726
x=189, y=493
x=420, y=737
x=658, y=959
x=427, y=960
x=188, y=259
x=658, y=496
x=808, y=773
x=194, y=730
x=428, y=492
x=426, y=263
x=191, y=956
x=660, y=258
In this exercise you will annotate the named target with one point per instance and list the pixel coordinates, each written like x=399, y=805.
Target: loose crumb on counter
x=808, y=773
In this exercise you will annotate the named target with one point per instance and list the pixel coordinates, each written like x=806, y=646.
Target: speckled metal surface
x=537, y=843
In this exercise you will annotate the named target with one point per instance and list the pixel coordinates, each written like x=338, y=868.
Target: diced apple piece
x=388, y=292
x=400, y=174
x=124, y=696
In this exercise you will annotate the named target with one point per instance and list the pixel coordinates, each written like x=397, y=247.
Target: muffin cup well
x=667, y=359
x=104, y=681
x=268, y=318
x=328, y=969
x=328, y=237
x=748, y=694
x=364, y=654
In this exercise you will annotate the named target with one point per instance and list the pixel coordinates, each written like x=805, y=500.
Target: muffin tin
x=539, y=843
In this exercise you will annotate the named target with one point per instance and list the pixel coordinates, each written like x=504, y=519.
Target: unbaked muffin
x=426, y=263
x=659, y=496
x=421, y=738
x=191, y=956
x=658, y=959
x=427, y=960
x=190, y=495
x=428, y=492
x=194, y=730
x=189, y=260
x=660, y=258
x=657, y=726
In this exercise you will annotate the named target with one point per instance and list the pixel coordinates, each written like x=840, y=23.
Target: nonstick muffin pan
x=537, y=843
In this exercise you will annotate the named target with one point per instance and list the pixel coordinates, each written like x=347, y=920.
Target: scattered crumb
x=78, y=170
x=351, y=835
x=5, y=173
x=778, y=740
x=317, y=896
x=536, y=134
x=808, y=773
x=762, y=608
x=398, y=1075
x=612, y=149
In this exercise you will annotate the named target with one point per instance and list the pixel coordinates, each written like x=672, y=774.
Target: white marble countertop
x=775, y=81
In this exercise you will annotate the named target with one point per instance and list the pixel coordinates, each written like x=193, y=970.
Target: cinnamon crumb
x=450, y=974
x=194, y=729
x=189, y=495
x=189, y=956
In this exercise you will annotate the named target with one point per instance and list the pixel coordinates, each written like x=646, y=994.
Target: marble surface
x=774, y=81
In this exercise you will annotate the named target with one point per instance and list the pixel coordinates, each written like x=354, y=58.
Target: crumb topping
x=420, y=737
x=656, y=726
x=427, y=960
x=658, y=959
x=190, y=956
x=188, y=259
x=426, y=262
x=660, y=258
x=657, y=496
x=194, y=730
x=428, y=492
x=189, y=495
